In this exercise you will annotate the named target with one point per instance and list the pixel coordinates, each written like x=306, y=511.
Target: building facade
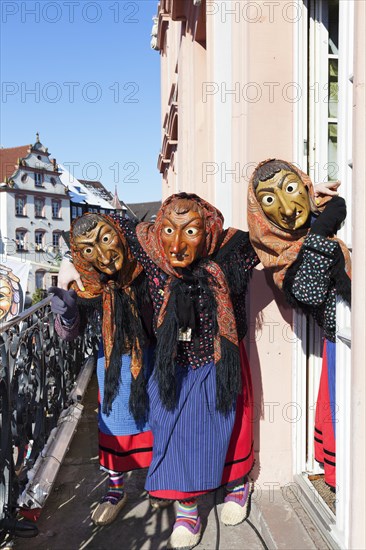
x=242, y=82
x=34, y=211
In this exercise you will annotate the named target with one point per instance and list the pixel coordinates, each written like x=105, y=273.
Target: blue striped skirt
x=190, y=442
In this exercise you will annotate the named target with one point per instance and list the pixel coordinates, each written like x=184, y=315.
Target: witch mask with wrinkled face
x=183, y=233
x=282, y=195
x=99, y=244
x=10, y=294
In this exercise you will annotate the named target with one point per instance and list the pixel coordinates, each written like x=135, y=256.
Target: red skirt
x=123, y=453
x=324, y=436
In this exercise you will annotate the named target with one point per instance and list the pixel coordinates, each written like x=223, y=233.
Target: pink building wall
x=218, y=63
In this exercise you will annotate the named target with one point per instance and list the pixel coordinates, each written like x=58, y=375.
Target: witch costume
x=125, y=357
x=200, y=394
x=313, y=271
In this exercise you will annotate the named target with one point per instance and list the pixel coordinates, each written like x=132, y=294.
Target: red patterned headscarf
x=276, y=248
x=149, y=236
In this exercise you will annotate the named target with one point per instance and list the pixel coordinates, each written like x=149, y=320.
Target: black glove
x=63, y=302
x=329, y=221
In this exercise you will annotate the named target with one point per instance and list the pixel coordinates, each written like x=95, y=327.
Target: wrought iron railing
x=38, y=372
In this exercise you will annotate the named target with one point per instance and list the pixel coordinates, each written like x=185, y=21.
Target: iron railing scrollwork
x=38, y=371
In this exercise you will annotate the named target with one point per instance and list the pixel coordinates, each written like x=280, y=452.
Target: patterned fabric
x=94, y=288
x=311, y=285
x=149, y=236
x=195, y=434
x=278, y=249
x=187, y=514
x=191, y=436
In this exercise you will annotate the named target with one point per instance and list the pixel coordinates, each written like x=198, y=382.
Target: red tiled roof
x=9, y=158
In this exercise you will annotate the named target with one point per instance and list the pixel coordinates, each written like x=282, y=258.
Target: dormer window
x=38, y=179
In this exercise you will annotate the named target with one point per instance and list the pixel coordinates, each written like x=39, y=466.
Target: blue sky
x=83, y=75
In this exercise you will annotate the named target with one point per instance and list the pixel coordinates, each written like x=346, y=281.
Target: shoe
x=234, y=511
x=160, y=503
x=184, y=537
x=106, y=512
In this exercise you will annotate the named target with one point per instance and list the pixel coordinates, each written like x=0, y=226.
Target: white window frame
x=21, y=242
x=335, y=528
x=39, y=245
x=38, y=179
x=41, y=201
x=24, y=205
x=54, y=203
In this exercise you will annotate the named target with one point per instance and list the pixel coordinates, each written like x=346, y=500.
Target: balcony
x=43, y=468
x=42, y=379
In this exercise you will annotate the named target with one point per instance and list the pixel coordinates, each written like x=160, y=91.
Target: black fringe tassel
x=228, y=377
x=166, y=351
x=139, y=403
x=128, y=329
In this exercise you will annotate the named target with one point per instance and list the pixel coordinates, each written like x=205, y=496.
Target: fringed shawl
x=121, y=326
x=209, y=274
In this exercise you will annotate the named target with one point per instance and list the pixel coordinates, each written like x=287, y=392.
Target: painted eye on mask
x=168, y=230
x=106, y=238
x=191, y=231
x=88, y=251
x=291, y=187
x=268, y=200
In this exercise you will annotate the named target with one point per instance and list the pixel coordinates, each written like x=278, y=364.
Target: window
x=56, y=241
x=40, y=279
x=20, y=239
x=326, y=123
x=20, y=203
x=76, y=211
x=38, y=179
x=24, y=178
x=54, y=280
x=53, y=181
x=39, y=239
x=39, y=208
x=56, y=207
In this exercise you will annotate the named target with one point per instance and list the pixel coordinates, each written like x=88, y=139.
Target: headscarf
x=279, y=249
x=177, y=303
x=121, y=326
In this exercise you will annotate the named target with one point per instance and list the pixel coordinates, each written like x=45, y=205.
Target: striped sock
x=187, y=514
x=237, y=492
x=115, y=487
